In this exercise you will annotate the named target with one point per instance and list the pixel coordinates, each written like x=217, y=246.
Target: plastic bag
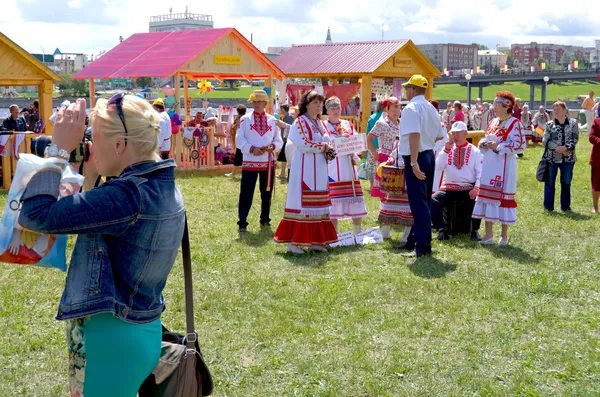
x=25, y=247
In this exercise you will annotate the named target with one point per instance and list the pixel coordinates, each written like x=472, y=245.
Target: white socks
x=386, y=231
x=357, y=229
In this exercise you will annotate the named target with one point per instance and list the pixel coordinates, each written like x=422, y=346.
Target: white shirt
x=461, y=167
x=165, y=131
x=419, y=116
x=248, y=137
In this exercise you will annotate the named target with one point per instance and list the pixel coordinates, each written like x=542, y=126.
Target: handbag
x=181, y=370
x=541, y=174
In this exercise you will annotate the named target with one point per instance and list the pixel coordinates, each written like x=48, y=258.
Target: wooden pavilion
x=20, y=68
x=189, y=54
x=359, y=61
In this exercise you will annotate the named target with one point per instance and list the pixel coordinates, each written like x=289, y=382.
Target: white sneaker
x=318, y=248
x=503, y=242
x=488, y=241
x=294, y=249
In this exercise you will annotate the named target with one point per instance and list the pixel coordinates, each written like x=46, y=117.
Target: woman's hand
x=562, y=150
x=492, y=145
x=70, y=126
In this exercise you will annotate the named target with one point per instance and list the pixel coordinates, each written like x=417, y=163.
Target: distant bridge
x=533, y=79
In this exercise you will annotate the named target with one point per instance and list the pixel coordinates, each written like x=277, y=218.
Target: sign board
x=344, y=239
x=371, y=236
x=350, y=144
x=228, y=59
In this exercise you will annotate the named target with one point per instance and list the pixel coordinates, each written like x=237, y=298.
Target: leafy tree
x=481, y=46
x=73, y=87
x=143, y=82
x=566, y=60
x=540, y=60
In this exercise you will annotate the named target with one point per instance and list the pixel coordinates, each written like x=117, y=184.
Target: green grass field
x=568, y=90
x=359, y=321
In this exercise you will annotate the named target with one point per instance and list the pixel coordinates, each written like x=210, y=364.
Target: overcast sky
x=89, y=26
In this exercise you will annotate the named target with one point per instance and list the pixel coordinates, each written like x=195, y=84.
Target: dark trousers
x=248, y=184
x=566, y=176
x=419, y=198
x=464, y=204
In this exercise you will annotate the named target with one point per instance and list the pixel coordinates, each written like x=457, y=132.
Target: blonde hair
x=142, y=121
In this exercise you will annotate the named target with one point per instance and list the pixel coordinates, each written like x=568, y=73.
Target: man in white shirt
x=165, y=128
x=460, y=162
x=258, y=138
x=420, y=128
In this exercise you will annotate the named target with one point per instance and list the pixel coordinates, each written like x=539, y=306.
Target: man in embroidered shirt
x=460, y=163
x=258, y=138
x=419, y=130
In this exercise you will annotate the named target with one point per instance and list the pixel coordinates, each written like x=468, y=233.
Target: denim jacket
x=129, y=230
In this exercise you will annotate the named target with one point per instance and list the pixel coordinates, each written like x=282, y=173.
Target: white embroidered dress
x=306, y=216
x=346, y=201
x=496, y=199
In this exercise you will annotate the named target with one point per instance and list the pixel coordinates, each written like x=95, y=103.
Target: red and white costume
x=306, y=216
x=346, y=201
x=460, y=168
x=481, y=118
x=257, y=131
x=496, y=199
x=539, y=120
x=527, y=122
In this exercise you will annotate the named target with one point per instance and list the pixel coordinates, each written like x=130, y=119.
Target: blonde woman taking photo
x=128, y=233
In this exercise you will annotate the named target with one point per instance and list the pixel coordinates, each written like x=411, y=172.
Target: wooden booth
x=358, y=62
x=20, y=68
x=188, y=55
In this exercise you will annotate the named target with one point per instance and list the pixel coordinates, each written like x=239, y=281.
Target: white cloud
x=97, y=24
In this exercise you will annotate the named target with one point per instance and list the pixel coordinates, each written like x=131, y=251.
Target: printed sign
x=350, y=144
x=228, y=59
x=371, y=236
x=344, y=240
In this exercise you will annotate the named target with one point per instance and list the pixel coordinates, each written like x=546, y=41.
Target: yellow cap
x=159, y=102
x=418, y=81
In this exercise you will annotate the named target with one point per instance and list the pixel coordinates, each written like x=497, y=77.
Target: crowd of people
x=449, y=184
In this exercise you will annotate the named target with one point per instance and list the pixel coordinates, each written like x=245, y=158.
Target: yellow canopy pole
x=92, y=93
x=365, y=102
x=46, y=107
x=186, y=95
x=429, y=92
x=269, y=85
x=178, y=141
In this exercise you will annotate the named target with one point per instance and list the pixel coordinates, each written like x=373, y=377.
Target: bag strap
x=191, y=336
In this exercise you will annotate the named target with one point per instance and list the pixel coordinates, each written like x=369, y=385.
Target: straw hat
x=258, y=95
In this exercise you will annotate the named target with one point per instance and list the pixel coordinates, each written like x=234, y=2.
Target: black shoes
x=443, y=235
x=406, y=246
x=475, y=236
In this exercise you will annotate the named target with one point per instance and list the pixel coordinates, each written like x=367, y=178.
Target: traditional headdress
x=333, y=102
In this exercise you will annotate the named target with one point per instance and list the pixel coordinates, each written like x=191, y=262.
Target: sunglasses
x=117, y=100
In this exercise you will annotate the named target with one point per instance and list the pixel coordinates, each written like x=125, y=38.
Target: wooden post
x=46, y=107
x=186, y=95
x=429, y=92
x=365, y=102
x=269, y=85
x=178, y=139
x=7, y=167
x=92, y=93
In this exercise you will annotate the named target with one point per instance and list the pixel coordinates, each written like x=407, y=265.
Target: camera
x=81, y=153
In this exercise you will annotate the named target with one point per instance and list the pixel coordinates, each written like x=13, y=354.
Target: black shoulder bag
x=181, y=371
x=541, y=174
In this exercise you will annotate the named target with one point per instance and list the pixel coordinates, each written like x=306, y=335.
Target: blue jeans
x=566, y=176
x=419, y=198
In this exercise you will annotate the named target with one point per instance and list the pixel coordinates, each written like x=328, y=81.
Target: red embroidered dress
x=306, y=216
